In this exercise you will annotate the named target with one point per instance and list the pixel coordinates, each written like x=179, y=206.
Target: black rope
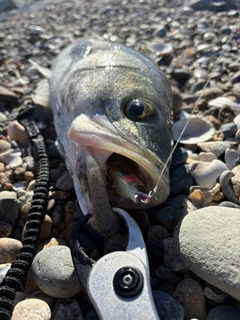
x=19, y=268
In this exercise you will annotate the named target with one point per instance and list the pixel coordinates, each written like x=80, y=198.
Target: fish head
x=119, y=110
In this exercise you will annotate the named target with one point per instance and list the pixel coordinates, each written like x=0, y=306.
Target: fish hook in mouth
x=99, y=166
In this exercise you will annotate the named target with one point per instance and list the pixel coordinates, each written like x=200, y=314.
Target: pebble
x=10, y=210
x=216, y=147
x=190, y=294
x=61, y=282
x=5, y=229
x=167, y=307
x=155, y=236
x=179, y=157
x=6, y=95
x=9, y=248
x=175, y=210
x=4, y=145
x=31, y=309
x=200, y=237
x=45, y=230
x=228, y=129
x=224, y=312
x=67, y=309
x=18, y=133
x=8, y=194
x=180, y=180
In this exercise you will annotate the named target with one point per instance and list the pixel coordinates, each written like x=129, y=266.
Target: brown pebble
x=4, y=145
x=69, y=227
x=2, y=167
x=45, y=230
x=28, y=176
x=18, y=133
x=31, y=309
x=69, y=210
x=25, y=210
x=115, y=242
x=9, y=248
x=7, y=179
x=51, y=243
x=214, y=121
x=19, y=173
x=190, y=294
x=61, y=195
x=5, y=229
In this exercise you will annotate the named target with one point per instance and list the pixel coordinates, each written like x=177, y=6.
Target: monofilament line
x=153, y=192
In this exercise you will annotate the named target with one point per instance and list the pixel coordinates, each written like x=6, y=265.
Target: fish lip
x=88, y=133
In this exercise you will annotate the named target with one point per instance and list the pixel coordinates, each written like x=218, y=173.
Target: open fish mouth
x=126, y=172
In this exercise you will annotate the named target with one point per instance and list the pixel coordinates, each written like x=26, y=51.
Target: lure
x=128, y=185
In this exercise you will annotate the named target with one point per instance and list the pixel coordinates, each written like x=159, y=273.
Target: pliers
x=118, y=284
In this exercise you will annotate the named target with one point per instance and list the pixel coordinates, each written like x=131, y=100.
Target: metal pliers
x=118, y=284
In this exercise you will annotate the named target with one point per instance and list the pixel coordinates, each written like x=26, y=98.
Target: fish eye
x=138, y=109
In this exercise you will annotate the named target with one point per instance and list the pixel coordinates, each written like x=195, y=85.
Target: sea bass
x=112, y=111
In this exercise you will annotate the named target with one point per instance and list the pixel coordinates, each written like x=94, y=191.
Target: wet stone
x=167, y=307
x=9, y=248
x=60, y=282
x=31, y=308
x=155, y=237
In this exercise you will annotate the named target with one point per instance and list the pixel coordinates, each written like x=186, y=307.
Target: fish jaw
x=106, y=147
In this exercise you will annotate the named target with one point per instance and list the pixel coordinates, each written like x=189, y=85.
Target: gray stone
x=207, y=242
x=67, y=309
x=210, y=5
x=167, y=307
x=6, y=5
x=181, y=180
x=54, y=272
x=10, y=210
x=224, y=312
x=179, y=157
x=216, y=147
x=228, y=129
x=175, y=210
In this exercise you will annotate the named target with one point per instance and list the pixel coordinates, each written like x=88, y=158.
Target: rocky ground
x=193, y=238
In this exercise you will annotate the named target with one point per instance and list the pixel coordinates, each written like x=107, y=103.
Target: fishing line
x=228, y=39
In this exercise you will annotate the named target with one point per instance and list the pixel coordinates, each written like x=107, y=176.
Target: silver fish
x=112, y=106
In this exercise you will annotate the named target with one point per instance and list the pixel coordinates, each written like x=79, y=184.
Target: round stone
x=31, y=309
x=9, y=248
x=207, y=242
x=54, y=272
x=167, y=307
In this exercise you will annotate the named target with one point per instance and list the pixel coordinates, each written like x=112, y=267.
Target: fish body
x=112, y=106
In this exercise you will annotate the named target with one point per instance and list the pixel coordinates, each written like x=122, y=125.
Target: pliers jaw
x=118, y=284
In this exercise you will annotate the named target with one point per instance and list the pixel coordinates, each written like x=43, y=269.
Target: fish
x=112, y=108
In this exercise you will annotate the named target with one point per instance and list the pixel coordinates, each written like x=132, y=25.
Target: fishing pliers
x=118, y=284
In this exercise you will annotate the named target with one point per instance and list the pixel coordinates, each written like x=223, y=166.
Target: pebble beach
x=193, y=238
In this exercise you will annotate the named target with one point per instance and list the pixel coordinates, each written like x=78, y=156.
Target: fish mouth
x=105, y=151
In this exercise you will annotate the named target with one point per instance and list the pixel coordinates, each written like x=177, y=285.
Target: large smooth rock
x=54, y=272
x=207, y=241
